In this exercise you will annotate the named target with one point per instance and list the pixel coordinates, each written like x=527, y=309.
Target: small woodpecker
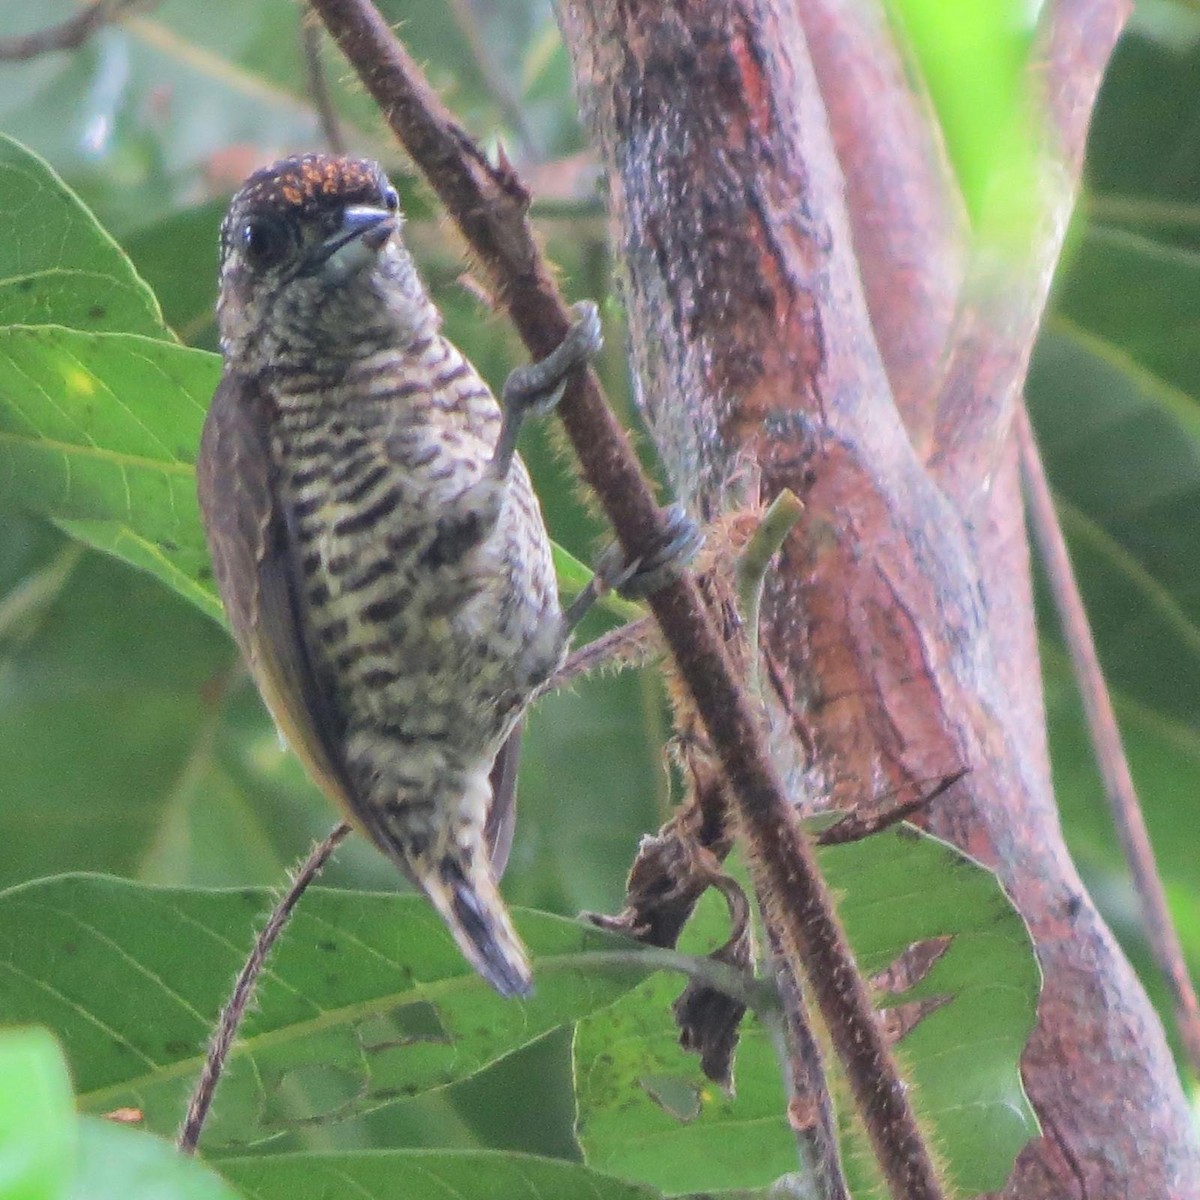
x=375, y=538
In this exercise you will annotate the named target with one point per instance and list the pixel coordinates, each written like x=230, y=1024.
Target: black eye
x=391, y=198
x=266, y=241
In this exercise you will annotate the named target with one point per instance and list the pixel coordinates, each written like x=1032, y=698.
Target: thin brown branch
x=1106, y=740
x=232, y=1014
x=810, y=1112
x=66, y=35
x=489, y=205
x=906, y=215
x=311, y=33
x=627, y=647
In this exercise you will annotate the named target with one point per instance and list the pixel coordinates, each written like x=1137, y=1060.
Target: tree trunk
x=792, y=255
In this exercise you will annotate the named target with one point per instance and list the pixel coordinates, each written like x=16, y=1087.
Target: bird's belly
x=450, y=654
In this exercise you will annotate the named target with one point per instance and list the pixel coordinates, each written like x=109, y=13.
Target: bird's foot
x=537, y=387
x=644, y=576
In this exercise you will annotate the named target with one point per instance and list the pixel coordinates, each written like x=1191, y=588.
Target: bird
x=375, y=538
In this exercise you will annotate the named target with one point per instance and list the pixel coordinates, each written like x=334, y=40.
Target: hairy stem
x=243, y=990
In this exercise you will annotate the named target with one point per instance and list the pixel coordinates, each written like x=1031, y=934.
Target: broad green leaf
x=99, y=433
x=423, y=1175
x=102, y=429
x=37, y=1117
x=123, y=709
x=1141, y=296
x=963, y=1058
x=57, y=266
x=1122, y=449
x=646, y=1112
x=116, y=1163
x=1150, y=88
x=365, y=1001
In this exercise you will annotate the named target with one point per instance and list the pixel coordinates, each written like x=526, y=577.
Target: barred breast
x=424, y=632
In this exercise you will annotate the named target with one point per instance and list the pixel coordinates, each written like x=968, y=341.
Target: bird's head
x=312, y=263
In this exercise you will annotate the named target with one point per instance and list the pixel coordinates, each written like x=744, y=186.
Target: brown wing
x=257, y=578
x=502, y=815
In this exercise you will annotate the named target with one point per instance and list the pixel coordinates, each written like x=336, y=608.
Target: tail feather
x=467, y=899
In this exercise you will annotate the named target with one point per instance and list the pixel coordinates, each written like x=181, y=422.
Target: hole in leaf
x=900, y=1021
x=909, y=967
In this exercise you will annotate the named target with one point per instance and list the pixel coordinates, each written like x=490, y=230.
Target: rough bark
x=902, y=612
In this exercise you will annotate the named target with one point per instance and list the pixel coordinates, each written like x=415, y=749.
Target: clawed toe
x=539, y=386
x=644, y=576
x=681, y=542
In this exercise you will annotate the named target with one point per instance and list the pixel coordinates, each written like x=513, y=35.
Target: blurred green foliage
x=131, y=741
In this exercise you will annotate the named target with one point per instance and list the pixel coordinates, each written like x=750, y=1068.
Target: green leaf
x=1122, y=450
x=57, y=266
x=963, y=1058
x=102, y=429
x=365, y=1001
x=646, y=1111
x=99, y=433
x=37, y=1117
x=116, y=1163
x=423, y=1175
x=1141, y=296
x=1150, y=84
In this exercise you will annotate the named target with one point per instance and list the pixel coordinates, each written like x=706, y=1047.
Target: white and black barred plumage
x=391, y=588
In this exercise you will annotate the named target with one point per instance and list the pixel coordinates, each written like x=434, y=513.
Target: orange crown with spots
x=311, y=184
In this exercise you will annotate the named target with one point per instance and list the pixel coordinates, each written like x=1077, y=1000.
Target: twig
x=243, y=990
x=489, y=204
x=1106, y=740
x=854, y=826
x=628, y=646
x=67, y=35
x=778, y=521
x=318, y=86
x=810, y=1112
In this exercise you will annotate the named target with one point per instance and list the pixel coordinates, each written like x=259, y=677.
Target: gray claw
x=538, y=387
x=642, y=578
x=644, y=575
